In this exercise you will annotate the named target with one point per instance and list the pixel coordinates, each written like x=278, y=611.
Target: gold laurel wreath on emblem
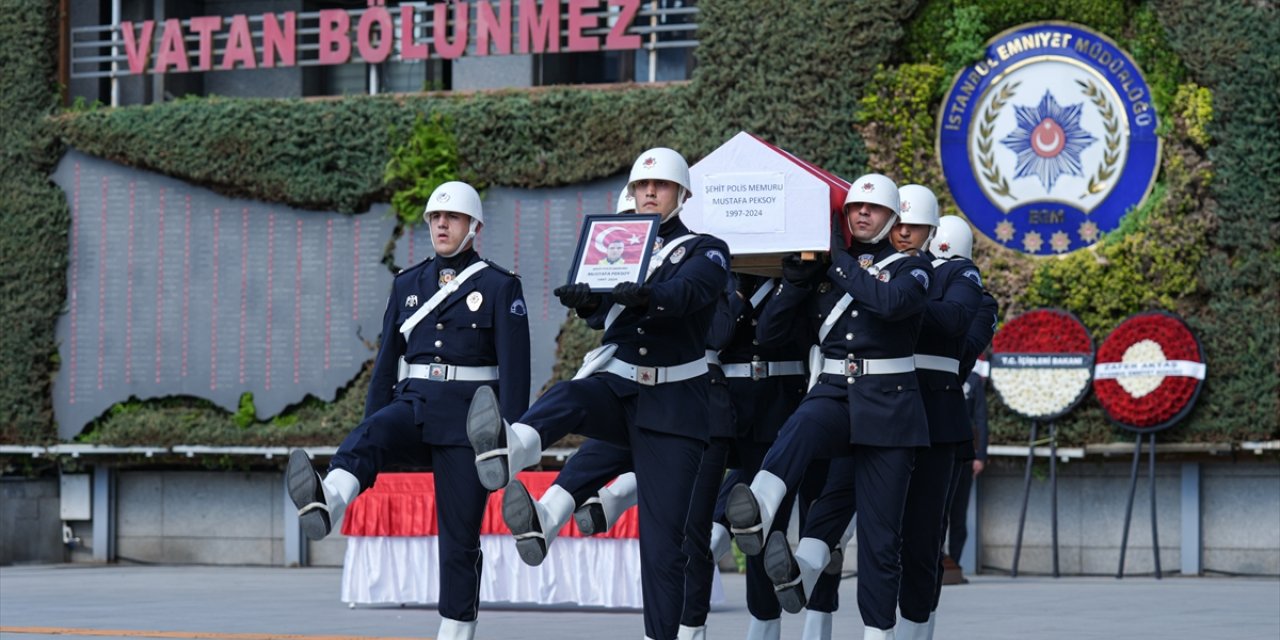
x=998, y=184
x=1110, y=122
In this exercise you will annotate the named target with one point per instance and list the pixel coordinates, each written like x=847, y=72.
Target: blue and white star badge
x=715, y=256
x=972, y=274
x=921, y=276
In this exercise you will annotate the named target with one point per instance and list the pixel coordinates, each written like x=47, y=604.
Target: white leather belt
x=938, y=363
x=757, y=370
x=650, y=376
x=856, y=367
x=713, y=357
x=448, y=372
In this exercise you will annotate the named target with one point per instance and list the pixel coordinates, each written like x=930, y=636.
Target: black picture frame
x=593, y=262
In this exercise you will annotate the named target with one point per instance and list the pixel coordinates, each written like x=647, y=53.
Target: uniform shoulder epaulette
x=414, y=268
x=501, y=268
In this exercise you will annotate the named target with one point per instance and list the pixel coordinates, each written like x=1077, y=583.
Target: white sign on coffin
x=762, y=201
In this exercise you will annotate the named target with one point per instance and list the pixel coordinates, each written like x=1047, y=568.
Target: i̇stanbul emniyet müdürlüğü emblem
x=1050, y=140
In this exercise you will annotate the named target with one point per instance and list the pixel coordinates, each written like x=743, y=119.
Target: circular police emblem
x=677, y=255
x=446, y=275
x=1050, y=140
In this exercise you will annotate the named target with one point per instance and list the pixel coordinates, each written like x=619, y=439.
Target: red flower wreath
x=1162, y=345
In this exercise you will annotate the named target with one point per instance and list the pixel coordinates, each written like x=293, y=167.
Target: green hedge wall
x=848, y=84
x=33, y=222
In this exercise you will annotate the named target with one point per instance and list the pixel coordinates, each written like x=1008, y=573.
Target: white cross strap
x=435, y=300
x=845, y=300
x=762, y=292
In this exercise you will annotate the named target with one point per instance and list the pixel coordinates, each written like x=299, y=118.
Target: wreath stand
x=1128, y=512
x=1053, y=494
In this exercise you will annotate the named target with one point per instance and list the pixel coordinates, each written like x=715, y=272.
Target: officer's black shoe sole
x=303, y=484
x=743, y=513
x=590, y=519
x=487, y=433
x=521, y=516
x=835, y=566
x=780, y=565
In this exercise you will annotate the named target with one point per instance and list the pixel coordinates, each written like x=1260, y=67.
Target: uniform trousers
x=597, y=462
x=961, y=480
x=958, y=521
x=875, y=479
x=761, y=600
x=697, y=532
x=591, y=467
x=390, y=438
x=666, y=467
x=923, y=529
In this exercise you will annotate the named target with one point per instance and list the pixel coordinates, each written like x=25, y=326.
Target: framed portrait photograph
x=613, y=248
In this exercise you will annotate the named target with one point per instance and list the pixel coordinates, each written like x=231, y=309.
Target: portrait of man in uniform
x=613, y=250
x=613, y=253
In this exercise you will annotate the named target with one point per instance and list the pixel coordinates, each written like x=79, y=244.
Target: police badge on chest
x=446, y=276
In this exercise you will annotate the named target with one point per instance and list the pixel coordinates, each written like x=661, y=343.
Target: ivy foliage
x=791, y=72
x=1234, y=50
x=426, y=160
x=33, y=222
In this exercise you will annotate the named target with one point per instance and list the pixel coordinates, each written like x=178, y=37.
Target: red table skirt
x=404, y=504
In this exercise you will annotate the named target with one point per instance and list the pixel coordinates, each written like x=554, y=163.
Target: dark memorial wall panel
x=175, y=290
x=533, y=232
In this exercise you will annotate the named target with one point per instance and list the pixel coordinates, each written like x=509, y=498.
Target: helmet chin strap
x=462, y=246
x=880, y=235
x=884, y=231
x=680, y=198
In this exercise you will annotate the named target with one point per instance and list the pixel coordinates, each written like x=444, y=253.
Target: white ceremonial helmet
x=661, y=163
x=626, y=201
x=918, y=206
x=953, y=238
x=457, y=197
x=874, y=188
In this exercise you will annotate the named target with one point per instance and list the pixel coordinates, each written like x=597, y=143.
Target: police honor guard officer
x=954, y=298
x=455, y=323
x=646, y=389
x=955, y=240
x=864, y=407
x=766, y=383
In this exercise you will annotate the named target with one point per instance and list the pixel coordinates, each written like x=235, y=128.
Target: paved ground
x=251, y=603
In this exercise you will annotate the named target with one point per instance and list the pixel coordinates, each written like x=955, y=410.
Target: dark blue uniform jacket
x=882, y=322
x=761, y=406
x=672, y=329
x=954, y=297
x=494, y=332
